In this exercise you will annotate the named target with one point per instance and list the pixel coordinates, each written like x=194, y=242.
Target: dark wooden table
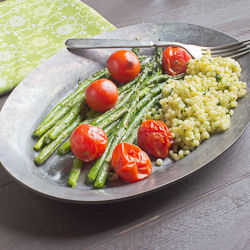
x=209, y=210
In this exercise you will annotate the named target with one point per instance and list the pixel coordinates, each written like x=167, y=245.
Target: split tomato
x=88, y=142
x=123, y=66
x=174, y=60
x=155, y=138
x=130, y=162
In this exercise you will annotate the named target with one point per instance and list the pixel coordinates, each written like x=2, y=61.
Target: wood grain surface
x=208, y=210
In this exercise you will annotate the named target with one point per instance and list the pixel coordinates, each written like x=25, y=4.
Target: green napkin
x=33, y=30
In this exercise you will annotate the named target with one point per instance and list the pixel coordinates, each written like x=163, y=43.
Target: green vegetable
x=46, y=126
x=115, y=116
x=109, y=129
x=136, y=51
x=98, y=164
x=138, y=118
x=65, y=121
x=49, y=149
x=75, y=172
x=64, y=148
x=40, y=143
x=133, y=137
x=102, y=176
x=217, y=77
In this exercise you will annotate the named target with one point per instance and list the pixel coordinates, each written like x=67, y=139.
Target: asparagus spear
x=116, y=115
x=65, y=121
x=109, y=129
x=75, y=172
x=158, y=59
x=98, y=164
x=132, y=138
x=49, y=149
x=43, y=140
x=40, y=143
x=129, y=85
x=47, y=139
x=64, y=148
x=102, y=176
x=138, y=118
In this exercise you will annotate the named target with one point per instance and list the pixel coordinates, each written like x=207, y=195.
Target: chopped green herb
x=218, y=78
x=171, y=90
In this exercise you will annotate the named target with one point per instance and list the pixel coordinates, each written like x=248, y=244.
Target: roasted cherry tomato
x=88, y=142
x=123, y=66
x=174, y=60
x=101, y=95
x=155, y=138
x=130, y=162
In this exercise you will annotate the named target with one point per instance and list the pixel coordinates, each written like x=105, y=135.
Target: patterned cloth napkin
x=33, y=30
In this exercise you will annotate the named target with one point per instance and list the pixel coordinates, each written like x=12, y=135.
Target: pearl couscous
x=200, y=104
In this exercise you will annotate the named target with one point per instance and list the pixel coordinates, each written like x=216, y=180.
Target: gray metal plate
x=53, y=80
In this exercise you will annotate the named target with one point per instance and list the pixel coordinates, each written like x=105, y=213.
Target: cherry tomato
x=130, y=162
x=88, y=142
x=174, y=60
x=101, y=95
x=123, y=66
x=155, y=138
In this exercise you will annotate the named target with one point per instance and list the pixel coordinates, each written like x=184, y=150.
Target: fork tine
x=242, y=46
x=240, y=54
x=229, y=53
x=234, y=54
x=226, y=46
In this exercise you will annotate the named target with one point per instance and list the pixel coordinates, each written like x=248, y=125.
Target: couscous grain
x=201, y=103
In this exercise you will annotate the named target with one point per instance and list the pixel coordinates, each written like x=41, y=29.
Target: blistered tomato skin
x=88, y=142
x=174, y=60
x=155, y=138
x=130, y=162
x=101, y=95
x=123, y=66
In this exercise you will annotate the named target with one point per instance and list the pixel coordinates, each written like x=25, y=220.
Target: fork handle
x=78, y=43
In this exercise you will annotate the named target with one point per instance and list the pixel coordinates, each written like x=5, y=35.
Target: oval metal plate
x=57, y=77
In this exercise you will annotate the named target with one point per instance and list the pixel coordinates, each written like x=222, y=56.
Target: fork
x=233, y=50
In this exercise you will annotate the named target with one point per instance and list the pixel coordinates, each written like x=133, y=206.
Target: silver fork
x=233, y=50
